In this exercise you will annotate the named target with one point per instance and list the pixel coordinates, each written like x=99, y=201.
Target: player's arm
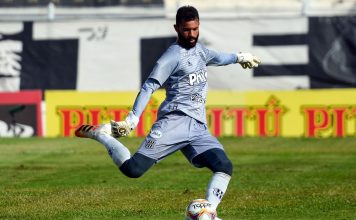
x=246, y=60
x=160, y=73
x=123, y=128
x=214, y=58
x=143, y=97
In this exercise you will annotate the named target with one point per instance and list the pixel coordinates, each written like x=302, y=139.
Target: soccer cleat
x=216, y=218
x=92, y=131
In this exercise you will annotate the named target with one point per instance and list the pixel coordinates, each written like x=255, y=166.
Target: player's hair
x=186, y=13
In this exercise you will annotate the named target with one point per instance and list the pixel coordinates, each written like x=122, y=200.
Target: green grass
x=274, y=178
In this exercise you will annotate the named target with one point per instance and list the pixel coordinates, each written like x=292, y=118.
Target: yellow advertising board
x=300, y=113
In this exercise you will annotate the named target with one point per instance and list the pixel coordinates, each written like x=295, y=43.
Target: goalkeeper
x=181, y=123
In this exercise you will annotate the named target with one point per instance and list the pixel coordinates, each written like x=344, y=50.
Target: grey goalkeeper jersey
x=186, y=76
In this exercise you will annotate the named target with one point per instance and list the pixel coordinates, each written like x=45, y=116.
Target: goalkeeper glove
x=123, y=128
x=247, y=60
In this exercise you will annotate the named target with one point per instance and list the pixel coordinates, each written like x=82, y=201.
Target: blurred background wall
x=112, y=45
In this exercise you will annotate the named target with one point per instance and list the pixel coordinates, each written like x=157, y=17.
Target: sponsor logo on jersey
x=197, y=98
x=198, y=77
x=156, y=134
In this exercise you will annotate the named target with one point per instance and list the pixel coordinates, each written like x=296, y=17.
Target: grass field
x=274, y=178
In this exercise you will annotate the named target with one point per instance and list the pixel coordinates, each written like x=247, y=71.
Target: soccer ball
x=200, y=209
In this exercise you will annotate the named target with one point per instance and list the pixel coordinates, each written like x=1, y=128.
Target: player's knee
x=224, y=166
x=132, y=173
x=215, y=159
x=130, y=170
x=136, y=166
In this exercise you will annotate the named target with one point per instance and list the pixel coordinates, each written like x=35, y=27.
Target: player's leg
x=206, y=151
x=102, y=133
x=216, y=160
x=137, y=165
x=167, y=135
x=133, y=167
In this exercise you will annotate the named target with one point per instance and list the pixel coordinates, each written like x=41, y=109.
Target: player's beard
x=185, y=42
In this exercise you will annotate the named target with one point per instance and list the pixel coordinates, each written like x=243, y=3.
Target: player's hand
x=120, y=128
x=247, y=60
x=123, y=128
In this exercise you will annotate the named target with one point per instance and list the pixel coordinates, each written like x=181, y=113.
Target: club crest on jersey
x=196, y=97
x=150, y=144
x=198, y=77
